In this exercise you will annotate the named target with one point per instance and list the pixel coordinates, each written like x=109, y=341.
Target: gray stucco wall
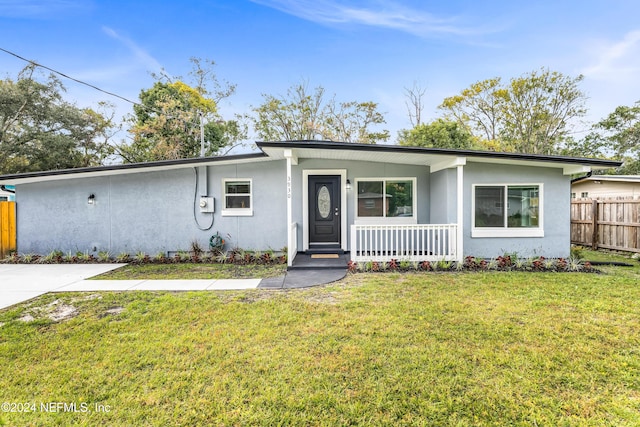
x=154, y=211
x=443, y=197
x=150, y=212
x=556, y=211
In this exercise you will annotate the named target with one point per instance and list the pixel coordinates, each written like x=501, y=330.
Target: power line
x=148, y=108
x=70, y=78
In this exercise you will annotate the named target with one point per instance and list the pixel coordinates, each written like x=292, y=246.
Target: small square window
x=237, y=197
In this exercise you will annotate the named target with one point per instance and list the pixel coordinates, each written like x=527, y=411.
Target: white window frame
x=384, y=219
x=505, y=231
x=237, y=211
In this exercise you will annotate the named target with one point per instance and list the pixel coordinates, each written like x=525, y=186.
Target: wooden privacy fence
x=608, y=223
x=7, y=228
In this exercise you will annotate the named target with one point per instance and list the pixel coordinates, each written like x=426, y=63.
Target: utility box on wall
x=207, y=205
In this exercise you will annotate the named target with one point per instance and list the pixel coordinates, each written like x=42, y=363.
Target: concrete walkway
x=22, y=282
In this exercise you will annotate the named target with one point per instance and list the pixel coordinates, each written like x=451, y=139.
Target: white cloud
x=140, y=54
x=40, y=8
x=387, y=14
x=613, y=59
x=611, y=76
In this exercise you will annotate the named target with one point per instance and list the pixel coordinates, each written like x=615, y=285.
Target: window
x=507, y=211
x=584, y=194
x=386, y=198
x=237, y=197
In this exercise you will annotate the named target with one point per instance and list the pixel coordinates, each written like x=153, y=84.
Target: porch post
x=460, y=212
x=291, y=237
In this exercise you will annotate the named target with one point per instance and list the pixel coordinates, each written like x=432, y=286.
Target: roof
x=612, y=178
x=117, y=169
x=435, y=158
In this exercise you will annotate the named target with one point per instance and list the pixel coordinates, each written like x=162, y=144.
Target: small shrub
x=196, y=248
x=69, y=257
x=393, y=265
x=27, y=258
x=575, y=264
x=123, y=257
x=352, y=266
x=141, y=257
x=443, y=265
x=561, y=264
x=222, y=257
x=104, y=256
x=549, y=264
x=471, y=263
x=425, y=266
x=504, y=262
x=405, y=265
x=160, y=258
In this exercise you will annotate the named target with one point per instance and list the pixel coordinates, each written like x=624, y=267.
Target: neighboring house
x=7, y=193
x=376, y=202
x=606, y=187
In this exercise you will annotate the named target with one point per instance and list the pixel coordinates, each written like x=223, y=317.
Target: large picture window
x=507, y=210
x=237, y=198
x=386, y=198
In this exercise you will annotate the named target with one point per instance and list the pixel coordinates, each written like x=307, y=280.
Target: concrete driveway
x=21, y=282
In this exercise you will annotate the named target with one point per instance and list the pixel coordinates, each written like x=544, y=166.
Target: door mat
x=324, y=256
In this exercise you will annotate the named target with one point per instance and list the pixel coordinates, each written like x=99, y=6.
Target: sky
x=356, y=50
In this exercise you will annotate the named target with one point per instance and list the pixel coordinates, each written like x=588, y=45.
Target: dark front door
x=324, y=210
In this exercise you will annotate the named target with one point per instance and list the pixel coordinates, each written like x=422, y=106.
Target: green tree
x=39, y=130
x=305, y=115
x=531, y=114
x=616, y=136
x=168, y=121
x=439, y=133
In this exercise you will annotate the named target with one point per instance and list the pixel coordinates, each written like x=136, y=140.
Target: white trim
x=305, y=204
x=292, y=228
x=460, y=211
x=508, y=231
x=447, y=164
x=236, y=211
x=413, y=219
x=575, y=169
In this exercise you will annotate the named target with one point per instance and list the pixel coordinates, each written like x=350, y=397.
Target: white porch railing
x=419, y=242
x=292, y=245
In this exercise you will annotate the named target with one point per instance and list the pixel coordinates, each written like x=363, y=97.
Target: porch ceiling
x=405, y=158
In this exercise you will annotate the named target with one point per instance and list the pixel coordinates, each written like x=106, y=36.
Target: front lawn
x=193, y=271
x=374, y=349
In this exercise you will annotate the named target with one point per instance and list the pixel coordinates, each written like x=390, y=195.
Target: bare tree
x=414, y=103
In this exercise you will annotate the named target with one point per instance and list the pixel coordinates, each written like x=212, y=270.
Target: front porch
x=384, y=242
x=418, y=242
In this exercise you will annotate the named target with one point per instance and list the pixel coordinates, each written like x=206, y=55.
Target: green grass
x=450, y=349
x=192, y=271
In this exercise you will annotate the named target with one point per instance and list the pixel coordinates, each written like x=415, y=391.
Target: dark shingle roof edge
x=132, y=166
x=438, y=151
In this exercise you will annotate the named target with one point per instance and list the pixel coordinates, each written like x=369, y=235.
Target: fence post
x=594, y=228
